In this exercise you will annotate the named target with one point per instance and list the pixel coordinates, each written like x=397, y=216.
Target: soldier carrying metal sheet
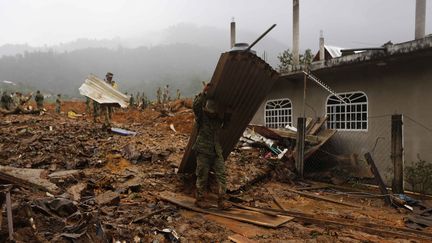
x=210, y=120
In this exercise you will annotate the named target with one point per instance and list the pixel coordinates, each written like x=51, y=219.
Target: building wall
x=403, y=87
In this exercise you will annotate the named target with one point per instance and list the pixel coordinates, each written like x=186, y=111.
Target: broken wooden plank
x=28, y=178
x=372, y=228
x=233, y=213
x=316, y=127
x=378, y=178
x=285, y=133
x=274, y=199
x=64, y=174
x=326, y=135
x=310, y=188
x=322, y=198
x=240, y=239
x=309, y=123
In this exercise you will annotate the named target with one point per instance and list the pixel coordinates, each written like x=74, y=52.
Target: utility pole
x=397, y=153
x=296, y=32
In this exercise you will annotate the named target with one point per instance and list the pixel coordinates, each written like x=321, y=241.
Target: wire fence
x=343, y=154
x=418, y=153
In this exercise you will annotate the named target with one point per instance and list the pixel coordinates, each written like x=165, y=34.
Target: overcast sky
x=346, y=23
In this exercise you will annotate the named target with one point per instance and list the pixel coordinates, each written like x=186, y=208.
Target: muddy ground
x=136, y=168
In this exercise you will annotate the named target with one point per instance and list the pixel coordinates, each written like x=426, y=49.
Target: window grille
x=278, y=113
x=349, y=116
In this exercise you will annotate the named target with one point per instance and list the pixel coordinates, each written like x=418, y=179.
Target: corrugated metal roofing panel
x=102, y=92
x=334, y=51
x=240, y=81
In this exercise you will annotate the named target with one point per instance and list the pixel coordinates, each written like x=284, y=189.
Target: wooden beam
x=322, y=198
x=240, y=239
x=318, y=124
x=371, y=228
x=233, y=213
x=300, y=145
x=275, y=200
x=27, y=178
x=326, y=134
x=378, y=178
x=284, y=133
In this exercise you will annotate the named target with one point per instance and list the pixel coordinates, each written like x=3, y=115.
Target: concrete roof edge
x=401, y=49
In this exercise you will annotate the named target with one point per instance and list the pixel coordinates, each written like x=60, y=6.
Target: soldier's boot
x=223, y=203
x=201, y=202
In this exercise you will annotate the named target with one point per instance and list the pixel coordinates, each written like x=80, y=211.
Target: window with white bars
x=278, y=113
x=349, y=116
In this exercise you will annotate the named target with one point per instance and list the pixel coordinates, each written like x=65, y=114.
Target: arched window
x=278, y=113
x=349, y=116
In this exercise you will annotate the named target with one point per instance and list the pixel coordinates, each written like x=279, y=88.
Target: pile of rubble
x=72, y=181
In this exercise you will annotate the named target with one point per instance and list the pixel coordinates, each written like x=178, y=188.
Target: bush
x=419, y=176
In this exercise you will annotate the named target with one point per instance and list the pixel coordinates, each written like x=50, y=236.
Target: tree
x=307, y=57
x=286, y=59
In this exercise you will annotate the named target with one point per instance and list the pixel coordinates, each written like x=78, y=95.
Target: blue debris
x=410, y=201
x=123, y=132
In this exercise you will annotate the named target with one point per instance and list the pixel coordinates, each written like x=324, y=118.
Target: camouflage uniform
x=96, y=109
x=165, y=94
x=159, y=95
x=107, y=109
x=39, y=100
x=208, y=148
x=58, y=104
x=6, y=101
x=178, y=94
x=131, y=101
x=87, y=102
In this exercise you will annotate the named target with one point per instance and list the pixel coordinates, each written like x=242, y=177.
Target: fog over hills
x=182, y=56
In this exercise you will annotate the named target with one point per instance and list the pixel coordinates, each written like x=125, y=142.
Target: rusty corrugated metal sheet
x=102, y=92
x=241, y=81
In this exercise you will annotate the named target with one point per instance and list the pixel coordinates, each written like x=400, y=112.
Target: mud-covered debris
x=65, y=174
x=76, y=190
x=108, y=198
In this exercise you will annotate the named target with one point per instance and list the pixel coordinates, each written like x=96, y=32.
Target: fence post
x=301, y=131
x=397, y=153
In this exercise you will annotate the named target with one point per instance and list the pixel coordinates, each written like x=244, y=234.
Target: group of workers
x=15, y=103
x=139, y=100
x=163, y=96
x=210, y=118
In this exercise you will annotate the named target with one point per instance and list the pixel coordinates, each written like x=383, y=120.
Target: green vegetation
x=181, y=66
x=419, y=176
x=286, y=59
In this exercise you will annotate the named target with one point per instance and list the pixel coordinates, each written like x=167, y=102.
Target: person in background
x=159, y=95
x=6, y=101
x=131, y=101
x=178, y=94
x=106, y=109
x=39, y=98
x=87, y=105
x=58, y=104
x=165, y=94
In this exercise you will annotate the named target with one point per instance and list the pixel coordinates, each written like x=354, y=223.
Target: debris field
x=74, y=182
